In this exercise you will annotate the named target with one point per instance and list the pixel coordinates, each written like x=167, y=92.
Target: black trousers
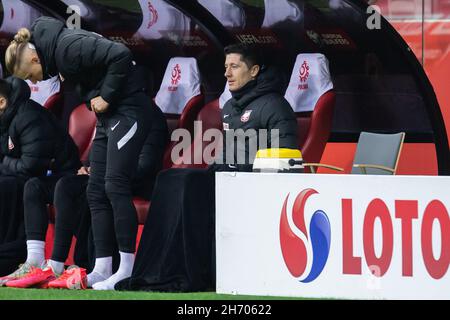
x=71, y=206
x=68, y=194
x=12, y=232
x=114, y=159
x=73, y=218
x=38, y=192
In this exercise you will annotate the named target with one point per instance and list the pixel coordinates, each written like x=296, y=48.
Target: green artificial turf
x=41, y=294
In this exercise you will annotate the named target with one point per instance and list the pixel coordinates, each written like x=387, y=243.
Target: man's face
x=3, y=105
x=237, y=72
x=29, y=66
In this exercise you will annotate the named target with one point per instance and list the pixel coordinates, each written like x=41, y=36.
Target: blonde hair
x=16, y=48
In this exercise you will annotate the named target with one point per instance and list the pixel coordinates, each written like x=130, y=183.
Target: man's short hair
x=250, y=54
x=5, y=89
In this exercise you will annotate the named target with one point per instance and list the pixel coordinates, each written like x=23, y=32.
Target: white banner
x=333, y=236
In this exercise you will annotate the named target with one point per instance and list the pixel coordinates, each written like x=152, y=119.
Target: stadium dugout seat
x=55, y=104
x=82, y=123
x=210, y=117
x=311, y=95
x=49, y=94
x=180, y=97
x=376, y=153
x=281, y=10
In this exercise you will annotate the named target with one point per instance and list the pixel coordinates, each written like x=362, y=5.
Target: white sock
x=36, y=252
x=57, y=267
x=125, y=270
x=102, y=271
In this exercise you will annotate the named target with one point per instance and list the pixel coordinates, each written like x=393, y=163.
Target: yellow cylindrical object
x=278, y=160
x=282, y=153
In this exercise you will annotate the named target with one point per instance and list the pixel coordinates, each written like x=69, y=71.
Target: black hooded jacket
x=31, y=139
x=258, y=105
x=95, y=65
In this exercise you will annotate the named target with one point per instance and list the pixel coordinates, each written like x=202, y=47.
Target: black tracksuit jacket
x=258, y=105
x=32, y=142
x=95, y=65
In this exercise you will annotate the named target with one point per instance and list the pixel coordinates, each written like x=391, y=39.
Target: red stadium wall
x=425, y=26
x=432, y=48
x=435, y=55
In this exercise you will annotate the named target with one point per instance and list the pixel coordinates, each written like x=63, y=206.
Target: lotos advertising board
x=333, y=236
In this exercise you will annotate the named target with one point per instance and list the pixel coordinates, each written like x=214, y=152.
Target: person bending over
x=104, y=74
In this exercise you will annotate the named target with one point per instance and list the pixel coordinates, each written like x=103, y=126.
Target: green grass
x=39, y=294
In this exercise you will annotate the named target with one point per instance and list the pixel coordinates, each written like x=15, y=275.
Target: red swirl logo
x=153, y=15
x=176, y=74
x=304, y=71
x=318, y=238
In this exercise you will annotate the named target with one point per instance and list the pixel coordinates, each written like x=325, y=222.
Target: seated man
x=177, y=245
x=32, y=146
x=71, y=207
x=257, y=106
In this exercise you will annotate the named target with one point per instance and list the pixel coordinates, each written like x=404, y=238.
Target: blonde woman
x=102, y=71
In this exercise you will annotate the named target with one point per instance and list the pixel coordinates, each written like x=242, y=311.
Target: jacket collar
x=269, y=80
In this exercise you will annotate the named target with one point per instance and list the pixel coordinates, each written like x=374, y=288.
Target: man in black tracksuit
x=33, y=144
x=257, y=106
x=34, y=148
x=177, y=245
x=103, y=72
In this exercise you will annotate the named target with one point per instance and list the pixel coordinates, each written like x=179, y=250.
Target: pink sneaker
x=20, y=272
x=72, y=278
x=35, y=277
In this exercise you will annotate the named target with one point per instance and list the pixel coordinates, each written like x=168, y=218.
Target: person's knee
x=32, y=190
x=95, y=192
x=68, y=189
x=62, y=190
x=115, y=187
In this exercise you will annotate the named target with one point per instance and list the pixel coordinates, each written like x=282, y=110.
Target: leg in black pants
x=74, y=219
x=109, y=190
x=38, y=192
x=114, y=159
x=12, y=231
x=70, y=199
